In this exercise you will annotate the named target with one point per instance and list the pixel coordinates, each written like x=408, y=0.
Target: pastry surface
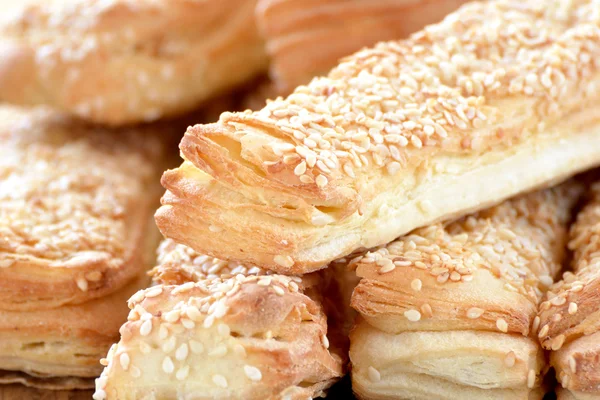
x=76, y=208
x=397, y=136
x=123, y=61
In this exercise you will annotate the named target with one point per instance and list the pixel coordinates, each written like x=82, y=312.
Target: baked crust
x=64, y=341
x=307, y=39
x=125, y=61
x=397, y=136
x=76, y=207
x=449, y=311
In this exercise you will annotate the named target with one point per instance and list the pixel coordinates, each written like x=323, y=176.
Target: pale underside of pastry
x=449, y=311
x=213, y=329
x=76, y=208
x=444, y=365
x=306, y=39
x=123, y=61
x=569, y=317
x=461, y=116
x=42, y=347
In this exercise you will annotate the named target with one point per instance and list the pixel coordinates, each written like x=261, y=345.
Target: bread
x=448, y=311
x=306, y=39
x=461, y=116
x=569, y=316
x=67, y=341
x=229, y=332
x=122, y=61
x=76, y=207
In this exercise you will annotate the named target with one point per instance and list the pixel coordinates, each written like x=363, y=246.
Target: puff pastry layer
x=77, y=202
x=569, y=316
x=124, y=61
x=449, y=310
x=462, y=115
x=229, y=332
x=306, y=39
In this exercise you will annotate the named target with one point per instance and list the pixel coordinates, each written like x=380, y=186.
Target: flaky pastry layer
x=306, y=39
x=118, y=62
x=76, y=206
x=462, y=115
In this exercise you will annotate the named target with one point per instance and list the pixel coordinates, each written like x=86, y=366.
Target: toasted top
x=570, y=309
x=386, y=120
x=75, y=201
x=486, y=271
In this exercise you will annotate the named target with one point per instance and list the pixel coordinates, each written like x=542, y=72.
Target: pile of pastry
x=411, y=218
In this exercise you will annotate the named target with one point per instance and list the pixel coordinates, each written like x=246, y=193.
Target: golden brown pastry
x=449, y=311
x=462, y=115
x=570, y=316
x=307, y=38
x=230, y=332
x=122, y=61
x=42, y=347
x=77, y=201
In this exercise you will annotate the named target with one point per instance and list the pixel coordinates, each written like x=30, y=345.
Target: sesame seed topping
x=124, y=360
x=135, y=372
x=278, y=290
x=82, y=283
x=182, y=352
x=544, y=331
x=374, y=375
x=474, y=313
x=182, y=373
x=325, y=341
x=572, y=308
x=223, y=330
x=167, y=365
x=502, y=325
x=412, y=315
x=252, y=373
x=284, y=261
x=219, y=380
x=557, y=342
x=146, y=327
x=510, y=359
x=218, y=351
x=531, y=379
x=239, y=350
x=572, y=364
x=416, y=285
x=196, y=347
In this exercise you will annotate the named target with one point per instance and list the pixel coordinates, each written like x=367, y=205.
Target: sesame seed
x=572, y=364
x=300, y=168
x=284, y=261
x=223, y=330
x=502, y=325
x=219, y=380
x=426, y=310
x=321, y=181
x=278, y=290
x=182, y=373
x=475, y=312
x=374, y=375
x=82, y=283
x=187, y=323
x=239, y=350
x=135, y=372
x=416, y=285
x=544, y=331
x=325, y=341
x=196, y=347
x=169, y=345
x=557, y=342
x=412, y=315
x=146, y=328
x=167, y=365
x=145, y=348
x=531, y=379
x=163, y=332
x=218, y=351
x=558, y=301
x=153, y=292
x=510, y=359
x=124, y=361
x=536, y=323
x=182, y=352
x=252, y=373
x=572, y=308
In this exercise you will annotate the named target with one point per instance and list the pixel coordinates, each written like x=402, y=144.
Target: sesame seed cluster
x=445, y=88
x=225, y=328
x=568, y=309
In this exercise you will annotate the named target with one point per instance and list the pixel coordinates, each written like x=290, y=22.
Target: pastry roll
x=570, y=317
x=122, y=61
x=461, y=116
x=307, y=38
x=449, y=311
x=230, y=331
x=76, y=207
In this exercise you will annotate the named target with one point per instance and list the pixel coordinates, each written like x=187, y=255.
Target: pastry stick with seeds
x=461, y=116
x=569, y=316
x=306, y=39
x=449, y=311
x=229, y=331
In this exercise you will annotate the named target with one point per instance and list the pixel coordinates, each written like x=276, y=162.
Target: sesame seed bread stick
x=126, y=61
x=75, y=207
x=569, y=316
x=449, y=311
x=306, y=39
x=461, y=116
x=229, y=331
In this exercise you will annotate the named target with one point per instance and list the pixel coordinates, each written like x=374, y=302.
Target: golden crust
x=570, y=309
x=125, y=61
x=486, y=271
x=63, y=341
x=306, y=39
x=76, y=206
x=244, y=337
x=576, y=364
x=384, y=143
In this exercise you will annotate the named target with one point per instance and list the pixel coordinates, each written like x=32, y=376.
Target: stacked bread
x=419, y=182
